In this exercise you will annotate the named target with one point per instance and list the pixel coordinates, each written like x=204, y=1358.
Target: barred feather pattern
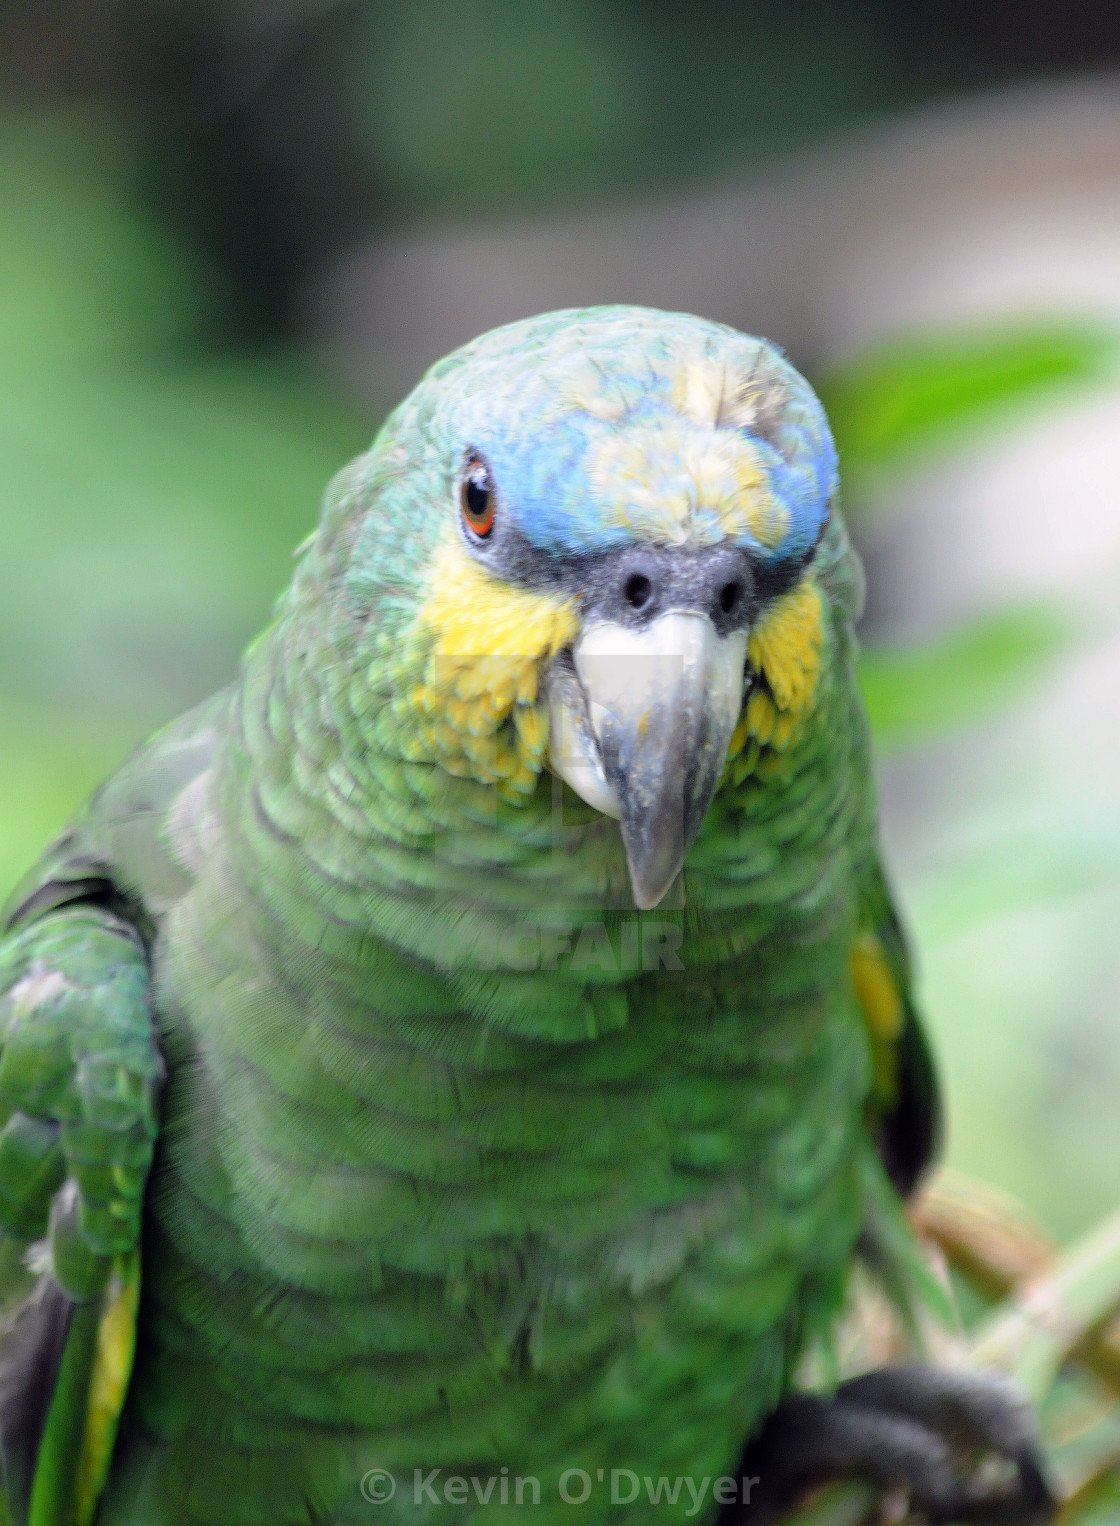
x=413, y=1208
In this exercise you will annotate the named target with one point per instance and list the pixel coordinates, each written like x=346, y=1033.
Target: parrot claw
x=941, y=1445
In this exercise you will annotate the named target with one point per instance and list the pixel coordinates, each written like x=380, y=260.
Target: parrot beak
x=641, y=722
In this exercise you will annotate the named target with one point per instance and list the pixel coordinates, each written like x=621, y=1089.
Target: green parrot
x=449, y=1074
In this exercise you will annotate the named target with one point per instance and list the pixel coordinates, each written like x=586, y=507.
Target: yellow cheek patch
x=785, y=647
x=785, y=650
x=883, y=1012
x=474, y=615
x=478, y=703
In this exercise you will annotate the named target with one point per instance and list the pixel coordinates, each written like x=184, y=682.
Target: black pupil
x=478, y=494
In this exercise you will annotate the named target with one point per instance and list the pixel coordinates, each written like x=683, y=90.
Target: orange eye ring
x=476, y=498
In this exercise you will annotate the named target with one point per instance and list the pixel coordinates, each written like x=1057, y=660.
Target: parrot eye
x=476, y=498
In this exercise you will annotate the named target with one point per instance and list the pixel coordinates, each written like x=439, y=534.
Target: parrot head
x=588, y=537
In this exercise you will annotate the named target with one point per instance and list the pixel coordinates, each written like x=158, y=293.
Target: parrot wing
x=905, y=1104
x=80, y=1071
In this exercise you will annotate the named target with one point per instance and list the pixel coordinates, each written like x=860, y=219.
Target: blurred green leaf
x=1032, y=1333
x=1096, y=1505
x=906, y=394
x=957, y=679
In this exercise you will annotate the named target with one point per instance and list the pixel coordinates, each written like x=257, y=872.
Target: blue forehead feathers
x=604, y=425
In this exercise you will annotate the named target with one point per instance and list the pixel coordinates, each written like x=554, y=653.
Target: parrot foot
x=945, y=1446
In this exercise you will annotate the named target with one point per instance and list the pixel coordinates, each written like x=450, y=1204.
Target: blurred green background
x=231, y=233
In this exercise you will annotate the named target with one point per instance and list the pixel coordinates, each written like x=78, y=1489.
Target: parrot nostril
x=729, y=597
x=638, y=590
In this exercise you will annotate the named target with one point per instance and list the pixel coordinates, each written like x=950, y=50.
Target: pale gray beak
x=641, y=722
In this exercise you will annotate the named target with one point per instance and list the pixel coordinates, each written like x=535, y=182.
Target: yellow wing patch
x=112, y=1368
x=478, y=702
x=76, y=1446
x=883, y=1011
